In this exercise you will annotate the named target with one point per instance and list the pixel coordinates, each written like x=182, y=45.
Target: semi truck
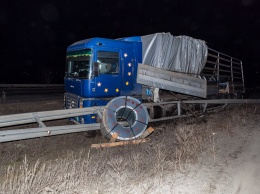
x=120, y=86
x=153, y=68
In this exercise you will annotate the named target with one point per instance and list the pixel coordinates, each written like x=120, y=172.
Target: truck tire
x=125, y=118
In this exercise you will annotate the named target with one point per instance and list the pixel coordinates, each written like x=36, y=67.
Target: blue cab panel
x=92, y=118
x=76, y=86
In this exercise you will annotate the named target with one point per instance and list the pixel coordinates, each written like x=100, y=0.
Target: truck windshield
x=78, y=64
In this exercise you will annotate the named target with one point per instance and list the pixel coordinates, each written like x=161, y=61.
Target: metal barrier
x=30, y=85
x=43, y=130
x=11, y=89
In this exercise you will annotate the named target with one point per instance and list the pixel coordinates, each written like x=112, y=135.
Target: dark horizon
x=35, y=35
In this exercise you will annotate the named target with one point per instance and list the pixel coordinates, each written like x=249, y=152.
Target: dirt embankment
x=182, y=156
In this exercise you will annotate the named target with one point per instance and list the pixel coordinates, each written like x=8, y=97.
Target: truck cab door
x=108, y=83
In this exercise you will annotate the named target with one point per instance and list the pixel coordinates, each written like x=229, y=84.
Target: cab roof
x=104, y=42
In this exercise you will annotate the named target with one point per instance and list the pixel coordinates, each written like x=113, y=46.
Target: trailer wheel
x=124, y=116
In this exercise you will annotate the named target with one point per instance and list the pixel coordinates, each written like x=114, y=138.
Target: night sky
x=35, y=34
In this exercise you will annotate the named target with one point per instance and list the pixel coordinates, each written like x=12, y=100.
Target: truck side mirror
x=95, y=69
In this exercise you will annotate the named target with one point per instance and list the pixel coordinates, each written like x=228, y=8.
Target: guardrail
x=43, y=130
x=30, y=85
x=10, y=89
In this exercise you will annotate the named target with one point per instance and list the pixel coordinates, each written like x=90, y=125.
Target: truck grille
x=71, y=101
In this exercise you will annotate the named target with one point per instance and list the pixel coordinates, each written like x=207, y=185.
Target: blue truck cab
x=100, y=69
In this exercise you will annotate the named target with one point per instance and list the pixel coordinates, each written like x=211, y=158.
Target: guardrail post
x=41, y=124
x=205, y=107
x=179, y=108
x=99, y=114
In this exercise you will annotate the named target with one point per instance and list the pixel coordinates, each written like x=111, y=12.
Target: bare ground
x=184, y=157
x=231, y=165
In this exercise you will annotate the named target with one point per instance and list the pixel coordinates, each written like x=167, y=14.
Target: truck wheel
x=124, y=116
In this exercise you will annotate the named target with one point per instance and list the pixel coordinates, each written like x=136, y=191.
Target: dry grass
x=128, y=169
